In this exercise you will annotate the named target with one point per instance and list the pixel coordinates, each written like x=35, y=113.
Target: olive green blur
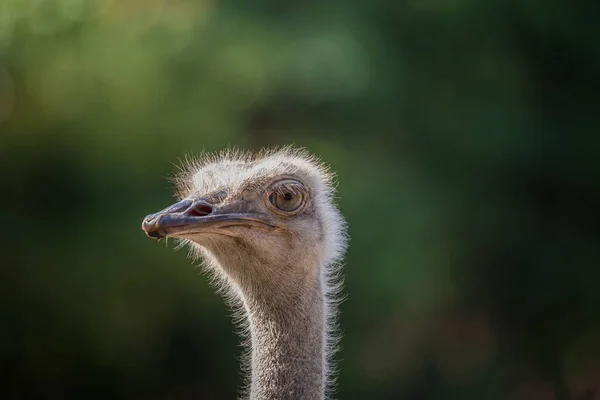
x=466, y=139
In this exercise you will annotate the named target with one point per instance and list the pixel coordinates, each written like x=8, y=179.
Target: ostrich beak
x=195, y=216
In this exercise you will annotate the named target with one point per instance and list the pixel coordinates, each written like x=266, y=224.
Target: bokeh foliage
x=465, y=136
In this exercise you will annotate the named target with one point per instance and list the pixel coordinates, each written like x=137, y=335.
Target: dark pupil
x=287, y=196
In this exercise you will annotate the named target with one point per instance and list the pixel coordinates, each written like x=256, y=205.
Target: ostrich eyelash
x=295, y=188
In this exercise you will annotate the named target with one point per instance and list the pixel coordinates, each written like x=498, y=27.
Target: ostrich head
x=262, y=218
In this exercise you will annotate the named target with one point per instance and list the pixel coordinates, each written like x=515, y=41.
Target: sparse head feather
x=199, y=174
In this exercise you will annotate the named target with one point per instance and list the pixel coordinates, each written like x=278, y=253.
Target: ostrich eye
x=287, y=201
x=287, y=197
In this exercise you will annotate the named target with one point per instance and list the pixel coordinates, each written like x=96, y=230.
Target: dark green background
x=465, y=135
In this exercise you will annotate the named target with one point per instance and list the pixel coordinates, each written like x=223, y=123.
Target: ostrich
x=267, y=228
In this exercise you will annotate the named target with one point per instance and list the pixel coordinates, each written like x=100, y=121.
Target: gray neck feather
x=287, y=341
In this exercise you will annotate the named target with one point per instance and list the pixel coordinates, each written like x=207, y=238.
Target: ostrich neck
x=287, y=333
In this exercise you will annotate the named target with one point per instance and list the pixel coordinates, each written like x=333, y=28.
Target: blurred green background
x=465, y=135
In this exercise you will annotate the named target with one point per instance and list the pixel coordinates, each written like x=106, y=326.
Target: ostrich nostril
x=200, y=209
